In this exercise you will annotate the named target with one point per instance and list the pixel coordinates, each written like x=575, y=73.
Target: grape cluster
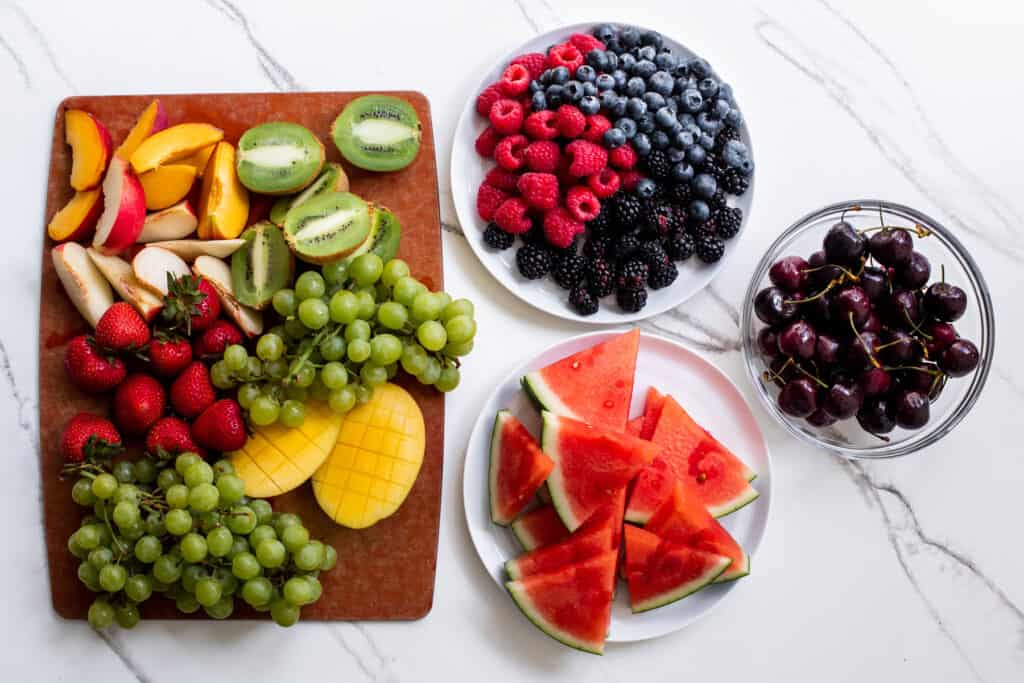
x=186, y=529
x=344, y=330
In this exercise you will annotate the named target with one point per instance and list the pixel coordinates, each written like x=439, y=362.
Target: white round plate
x=713, y=401
x=468, y=171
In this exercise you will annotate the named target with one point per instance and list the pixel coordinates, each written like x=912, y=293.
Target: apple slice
x=190, y=250
x=153, y=265
x=219, y=275
x=167, y=185
x=78, y=217
x=121, y=277
x=90, y=148
x=153, y=119
x=124, y=209
x=88, y=290
x=172, y=223
x=174, y=144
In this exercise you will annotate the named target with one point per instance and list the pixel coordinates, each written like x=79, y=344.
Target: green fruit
x=328, y=227
x=378, y=133
x=262, y=266
x=384, y=238
x=278, y=158
x=331, y=179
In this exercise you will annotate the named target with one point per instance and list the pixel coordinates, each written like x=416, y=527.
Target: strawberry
x=138, y=403
x=90, y=370
x=122, y=329
x=168, y=355
x=220, y=335
x=170, y=436
x=192, y=392
x=220, y=427
x=190, y=305
x=89, y=436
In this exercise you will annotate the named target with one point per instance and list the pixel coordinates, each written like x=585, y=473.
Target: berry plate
x=467, y=173
x=712, y=399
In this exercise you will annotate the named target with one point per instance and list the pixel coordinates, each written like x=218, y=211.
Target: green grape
x=330, y=558
x=414, y=359
x=235, y=357
x=221, y=609
x=283, y=612
x=112, y=577
x=373, y=375
x=294, y=537
x=193, y=547
x=126, y=514
x=241, y=520
x=381, y=292
x=445, y=299
x=332, y=348
x=431, y=373
x=391, y=369
x=145, y=470
x=75, y=549
x=190, y=576
x=257, y=591
x=431, y=335
x=269, y=347
x=168, y=478
x=218, y=541
x=457, y=307
x=133, y=533
x=392, y=315
x=155, y=524
x=239, y=544
x=357, y=330
x=253, y=369
x=104, y=485
x=309, y=285
x=208, y=591
x=231, y=488
x=456, y=350
x=314, y=313
x=285, y=520
x=207, y=520
x=127, y=615
x=222, y=467
x=317, y=588
x=198, y=473
x=367, y=303
x=186, y=603
x=262, y=532
x=308, y=557
x=358, y=350
x=319, y=390
x=101, y=614
x=366, y=269
x=159, y=586
x=177, y=496
x=385, y=349
x=460, y=329
x=304, y=376
x=426, y=306
x=203, y=497
x=294, y=328
x=82, y=494
x=89, y=576
x=293, y=414
x=221, y=376
x=178, y=523
x=271, y=553
x=126, y=493
x=448, y=380
x=275, y=369
x=342, y=400
x=147, y=549
x=138, y=588
x=363, y=393
x=124, y=472
x=278, y=330
x=284, y=302
x=264, y=411
x=184, y=461
x=344, y=307
x=101, y=557
x=297, y=591
x=405, y=290
x=247, y=393
x=394, y=270
x=335, y=272
x=264, y=511
x=245, y=566
x=334, y=375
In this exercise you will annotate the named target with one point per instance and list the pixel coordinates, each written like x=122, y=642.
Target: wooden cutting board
x=384, y=572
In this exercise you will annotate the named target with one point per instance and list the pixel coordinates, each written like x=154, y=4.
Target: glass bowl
x=945, y=252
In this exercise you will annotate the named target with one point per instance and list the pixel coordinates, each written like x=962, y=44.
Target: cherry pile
x=856, y=330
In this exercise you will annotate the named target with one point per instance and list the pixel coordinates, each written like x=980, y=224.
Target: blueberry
x=683, y=139
x=659, y=140
x=708, y=87
x=692, y=100
x=699, y=211
x=629, y=37
x=661, y=82
x=645, y=68
x=535, y=86
x=635, y=108
x=686, y=118
x=734, y=153
x=585, y=74
x=619, y=108
x=589, y=105
x=608, y=99
x=725, y=92
x=666, y=61
x=545, y=77
x=680, y=86
x=642, y=144
x=559, y=75
x=704, y=185
x=554, y=95
x=653, y=100
x=674, y=128
x=706, y=141
x=675, y=155
x=604, y=82
x=635, y=87
x=646, y=188
x=699, y=68
x=746, y=167
x=681, y=70
x=596, y=59
x=604, y=32
x=682, y=172
x=614, y=138
x=614, y=46
x=627, y=126
x=572, y=91
x=734, y=117
x=707, y=123
x=589, y=89
x=613, y=61
x=696, y=154
x=627, y=63
x=539, y=102
x=664, y=117
x=652, y=38
x=620, y=78
x=648, y=52
x=645, y=124
x=721, y=108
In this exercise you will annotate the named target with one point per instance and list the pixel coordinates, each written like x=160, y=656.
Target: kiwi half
x=263, y=265
x=331, y=179
x=278, y=158
x=384, y=238
x=328, y=227
x=378, y=133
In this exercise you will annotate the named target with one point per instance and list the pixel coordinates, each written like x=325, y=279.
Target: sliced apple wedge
x=124, y=209
x=122, y=278
x=85, y=285
x=78, y=217
x=219, y=275
x=172, y=223
x=190, y=250
x=153, y=266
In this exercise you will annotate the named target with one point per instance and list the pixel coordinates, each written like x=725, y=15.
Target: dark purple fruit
x=844, y=245
x=843, y=400
x=852, y=301
x=861, y=350
x=875, y=382
x=961, y=358
x=821, y=418
x=772, y=307
x=945, y=302
x=874, y=283
x=797, y=339
x=904, y=309
x=818, y=310
x=914, y=273
x=781, y=371
x=891, y=247
x=942, y=335
x=789, y=273
x=826, y=350
x=799, y=397
x=768, y=342
x=899, y=348
x=822, y=272
x=874, y=416
x=872, y=324
x=911, y=410
x=925, y=379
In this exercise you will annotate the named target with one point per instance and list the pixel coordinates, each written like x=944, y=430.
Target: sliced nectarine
x=124, y=209
x=90, y=148
x=174, y=144
x=223, y=201
x=200, y=159
x=167, y=185
x=78, y=217
x=152, y=120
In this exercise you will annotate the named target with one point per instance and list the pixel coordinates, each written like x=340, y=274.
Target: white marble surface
x=904, y=570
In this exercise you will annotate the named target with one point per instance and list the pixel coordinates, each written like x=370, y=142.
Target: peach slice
x=167, y=185
x=223, y=201
x=200, y=159
x=249, y=320
x=90, y=148
x=190, y=250
x=124, y=209
x=174, y=144
x=78, y=217
x=153, y=119
x=121, y=277
x=172, y=223
x=152, y=267
x=88, y=290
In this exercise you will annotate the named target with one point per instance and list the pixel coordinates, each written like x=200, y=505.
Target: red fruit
x=623, y=157
x=585, y=43
x=629, y=180
x=488, y=199
x=582, y=203
x=191, y=305
x=487, y=98
x=220, y=427
x=597, y=126
x=534, y=63
x=539, y=190
x=571, y=121
x=192, y=392
x=507, y=116
x=560, y=228
x=215, y=339
x=566, y=55
x=169, y=355
x=604, y=183
x=487, y=141
x=511, y=216
x=88, y=435
x=542, y=125
x=509, y=152
x=515, y=80
x=586, y=158
x=138, y=403
x=89, y=369
x=122, y=329
x=170, y=435
x=502, y=179
x=542, y=156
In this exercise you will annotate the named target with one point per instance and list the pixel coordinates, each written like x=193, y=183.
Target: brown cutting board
x=384, y=572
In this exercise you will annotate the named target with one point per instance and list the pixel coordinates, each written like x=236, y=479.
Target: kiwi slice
x=327, y=227
x=263, y=265
x=278, y=158
x=385, y=235
x=378, y=133
x=331, y=179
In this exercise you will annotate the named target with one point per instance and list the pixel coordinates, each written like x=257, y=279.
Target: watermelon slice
x=593, y=538
x=659, y=572
x=573, y=605
x=690, y=454
x=518, y=468
x=683, y=520
x=594, y=385
x=540, y=527
x=635, y=426
x=592, y=465
x=652, y=411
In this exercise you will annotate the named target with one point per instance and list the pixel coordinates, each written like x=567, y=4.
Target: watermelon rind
x=556, y=482
x=492, y=474
x=524, y=536
x=543, y=397
x=738, y=571
x=525, y=605
x=746, y=497
x=688, y=588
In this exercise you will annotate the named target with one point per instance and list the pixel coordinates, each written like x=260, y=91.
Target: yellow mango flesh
x=167, y=185
x=223, y=200
x=375, y=462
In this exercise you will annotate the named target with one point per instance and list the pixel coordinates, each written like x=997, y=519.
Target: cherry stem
x=916, y=327
x=856, y=333
x=771, y=377
x=812, y=376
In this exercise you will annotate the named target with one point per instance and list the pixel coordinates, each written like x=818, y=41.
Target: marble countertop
x=902, y=570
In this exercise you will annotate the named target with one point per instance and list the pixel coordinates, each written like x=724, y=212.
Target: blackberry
x=680, y=245
x=652, y=253
x=534, y=261
x=627, y=245
x=597, y=246
x=569, y=271
x=713, y=165
x=710, y=248
x=727, y=133
x=631, y=300
x=728, y=220
x=626, y=210
x=583, y=301
x=734, y=182
x=663, y=276
x=717, y=201
x=602, y=223
x=632, y=275
x=534, y=235
x=660, y=218
x=600, y=278
x=496, y=238
x=680, y=194
x=658, y=164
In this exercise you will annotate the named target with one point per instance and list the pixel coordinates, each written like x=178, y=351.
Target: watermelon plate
x=659, y=572
x=596, y=536
x=517, y=468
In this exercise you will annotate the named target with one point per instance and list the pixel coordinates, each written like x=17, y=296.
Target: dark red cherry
x=826, y=350
x=911, y=410
x=904, y=310
x=914, y=273
x=781, y=370
x=843, y=400
x=797, y=339
x=768, y=342
x=875, y=381
x=874, y=283
x=942, y=335
x=772, y=306
x=891, y=247
x=872, y=324
x=852, y=300
x=821, y=418
x=818, y=310
x=844, y=245
x=822, y=272
x=799, y=397
x=789, y=273
x=861, y=350
x=900, y=348
x=874, y=416
x=960, y=358
x=945, y=302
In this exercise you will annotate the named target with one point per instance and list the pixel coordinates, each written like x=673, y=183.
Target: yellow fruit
x=375, y=462
x=277, y=459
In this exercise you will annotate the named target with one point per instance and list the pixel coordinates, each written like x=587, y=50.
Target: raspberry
x=632, y=275
x=596, y=127
x=629, y=180
x=582, y=204
x=542, y=125
x=534, y=63
x=542, y=156
x=631, y=300
x=488, y=199
x=487, y=141
x=565, y=178
x=586, y=158
x=515, y=80
x=710, y=248
x=585, y=43
x=560, y=228
x=566, y=55
x=539, y=190
x=623, y=157
x=502, y=179
x=507, y=116
x=600, y=278
x=496, y=238
x=511, y=216
x=569, y=271
x=604, y=183
x=533, y=261
x=571, y=121
x=583, y=301
x=663, y=275
x=509, y=152
x=487, y=98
